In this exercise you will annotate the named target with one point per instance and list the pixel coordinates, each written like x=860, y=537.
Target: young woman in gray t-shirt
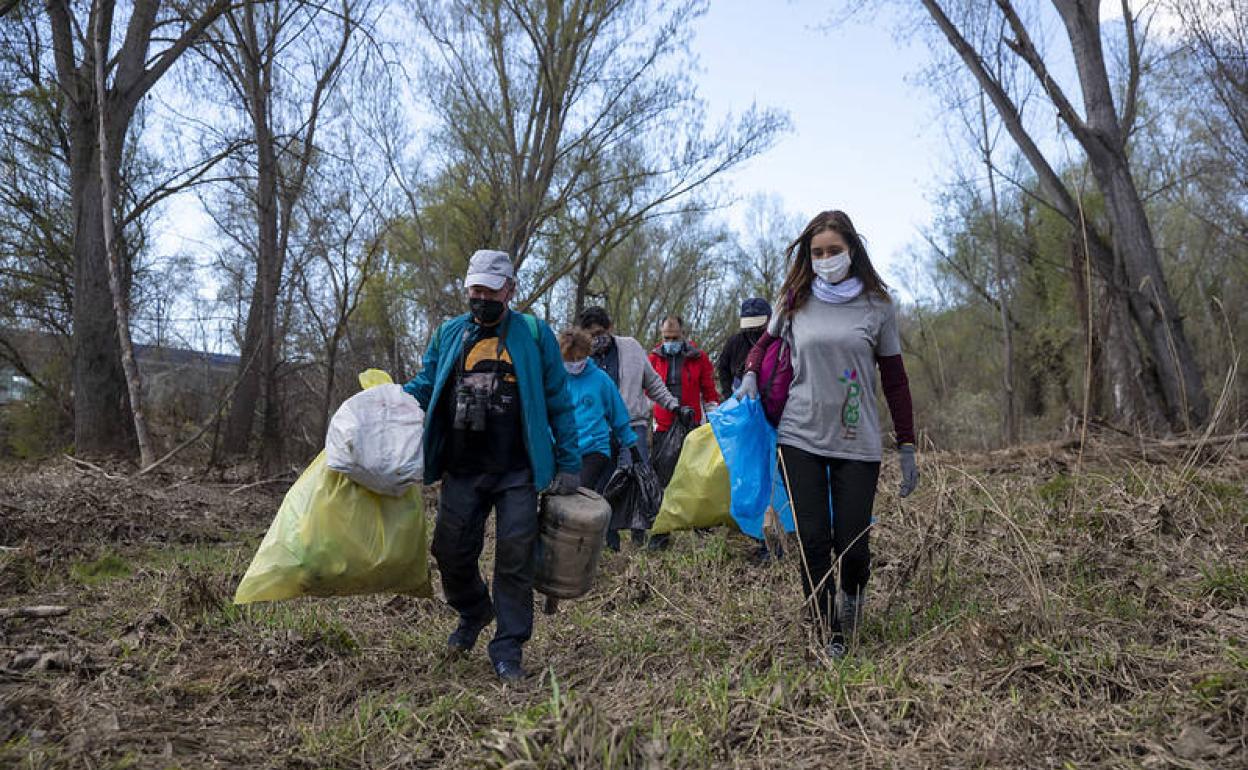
x=841, y=326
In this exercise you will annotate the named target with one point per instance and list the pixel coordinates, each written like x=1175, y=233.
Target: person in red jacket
x=687, y=371
x=690, y=376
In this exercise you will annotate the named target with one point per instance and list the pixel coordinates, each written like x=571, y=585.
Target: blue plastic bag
x=748, y=443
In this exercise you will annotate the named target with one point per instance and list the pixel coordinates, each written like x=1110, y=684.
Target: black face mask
x=487, y=312
x=600, y=344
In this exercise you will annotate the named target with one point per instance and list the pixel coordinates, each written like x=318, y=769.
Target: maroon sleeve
x=754, y=361
x=897, y=393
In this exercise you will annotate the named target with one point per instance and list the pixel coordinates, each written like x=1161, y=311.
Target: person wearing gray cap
x=499, y=426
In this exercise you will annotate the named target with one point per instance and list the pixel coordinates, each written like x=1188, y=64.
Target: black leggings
x=852, y=486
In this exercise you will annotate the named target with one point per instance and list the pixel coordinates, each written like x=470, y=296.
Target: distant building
x=177, y=381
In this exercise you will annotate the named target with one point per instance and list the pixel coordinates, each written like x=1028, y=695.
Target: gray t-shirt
x=832, y=409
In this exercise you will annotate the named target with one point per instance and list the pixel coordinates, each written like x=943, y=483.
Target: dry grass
x=1020, y=615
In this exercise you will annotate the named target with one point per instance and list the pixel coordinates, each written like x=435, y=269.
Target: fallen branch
x=43, y=611
x=93, y=467
x=1186, y=443
x=261, y=483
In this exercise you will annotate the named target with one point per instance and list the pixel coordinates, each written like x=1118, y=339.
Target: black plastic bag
x=666, y=452
x=634, y=493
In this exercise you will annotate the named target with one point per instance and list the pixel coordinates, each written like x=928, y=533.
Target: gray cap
x=490, y=269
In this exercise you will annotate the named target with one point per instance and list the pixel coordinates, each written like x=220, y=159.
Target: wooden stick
x=1191, y=442
x=43, y=611
x=258, y=483
x=92, y=466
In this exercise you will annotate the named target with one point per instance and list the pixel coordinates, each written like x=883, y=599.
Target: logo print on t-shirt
x=485, y=369
x=850, y=406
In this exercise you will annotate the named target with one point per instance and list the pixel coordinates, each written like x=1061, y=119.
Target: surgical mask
x=832, y=269
x=600, y=344
x=673, y=347
x=575, y=367
x=486, y=311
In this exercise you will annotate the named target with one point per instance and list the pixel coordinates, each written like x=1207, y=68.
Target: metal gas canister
x=571, y=529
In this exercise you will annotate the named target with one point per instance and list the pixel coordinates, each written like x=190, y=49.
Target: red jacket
x=697, y=383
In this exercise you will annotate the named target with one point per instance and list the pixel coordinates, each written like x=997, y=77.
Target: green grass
x=1056, y=491
x=1225, y=584
x=107, y=567
x=314, y=622
x=374, y=719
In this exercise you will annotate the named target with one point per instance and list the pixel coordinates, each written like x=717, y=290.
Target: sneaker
x=510, y=671
x=659, y=543
x=849, y=613
x=465, y=635
x=837, y=649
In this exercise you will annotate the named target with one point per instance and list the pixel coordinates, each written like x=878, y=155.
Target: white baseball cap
x=489, y=268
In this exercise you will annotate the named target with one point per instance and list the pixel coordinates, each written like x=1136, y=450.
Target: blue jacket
x=600, y=411
x=545, y=406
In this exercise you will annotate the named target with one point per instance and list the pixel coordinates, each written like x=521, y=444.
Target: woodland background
x=1090, y=257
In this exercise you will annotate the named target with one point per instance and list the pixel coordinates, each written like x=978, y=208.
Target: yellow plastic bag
x=333, y=537
x=699, y=494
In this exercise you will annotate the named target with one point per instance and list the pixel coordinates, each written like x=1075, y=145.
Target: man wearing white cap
x=499, y=427
x=755, y=313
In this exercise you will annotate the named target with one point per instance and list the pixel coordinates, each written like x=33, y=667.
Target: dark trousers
x=596, y=470
x=643, y=441
x=851, y=484
x=457, y=540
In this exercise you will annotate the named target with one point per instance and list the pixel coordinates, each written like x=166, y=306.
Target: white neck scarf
x=837, y=293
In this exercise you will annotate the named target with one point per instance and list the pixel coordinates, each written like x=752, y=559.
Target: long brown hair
x=796, y=290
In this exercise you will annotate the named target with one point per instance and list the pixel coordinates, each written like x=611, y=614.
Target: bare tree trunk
x=1085, y=304
x=250, y=54
x=1153, y=309
x=331, y=369
x=257, y=385
x=242, y=413
x=101, y=423
x=1009, y=412
x=1131, y=268
x=121, y=299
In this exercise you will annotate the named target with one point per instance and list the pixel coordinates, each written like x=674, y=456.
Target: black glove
x=564, y=484
x=686, y=416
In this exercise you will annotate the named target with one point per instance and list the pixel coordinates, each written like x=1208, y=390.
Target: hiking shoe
x=465, y=635
x=763, y=555
x=849, y=613
x=510, y=671
x=659, y=543
x=837, y=649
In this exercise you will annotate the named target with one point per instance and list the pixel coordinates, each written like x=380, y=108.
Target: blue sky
x=864, y=139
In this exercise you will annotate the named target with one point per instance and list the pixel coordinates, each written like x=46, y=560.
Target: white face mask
x=832, y=269
x=575, y=367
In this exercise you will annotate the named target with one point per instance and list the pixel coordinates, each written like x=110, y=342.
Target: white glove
x=748, y=387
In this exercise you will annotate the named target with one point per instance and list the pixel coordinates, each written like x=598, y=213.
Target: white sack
x=375, y=440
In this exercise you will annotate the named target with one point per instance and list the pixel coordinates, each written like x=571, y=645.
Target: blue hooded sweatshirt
x=546, y=409
x=600, y=411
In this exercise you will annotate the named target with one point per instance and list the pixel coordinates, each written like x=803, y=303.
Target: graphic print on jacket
x=850, y=407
